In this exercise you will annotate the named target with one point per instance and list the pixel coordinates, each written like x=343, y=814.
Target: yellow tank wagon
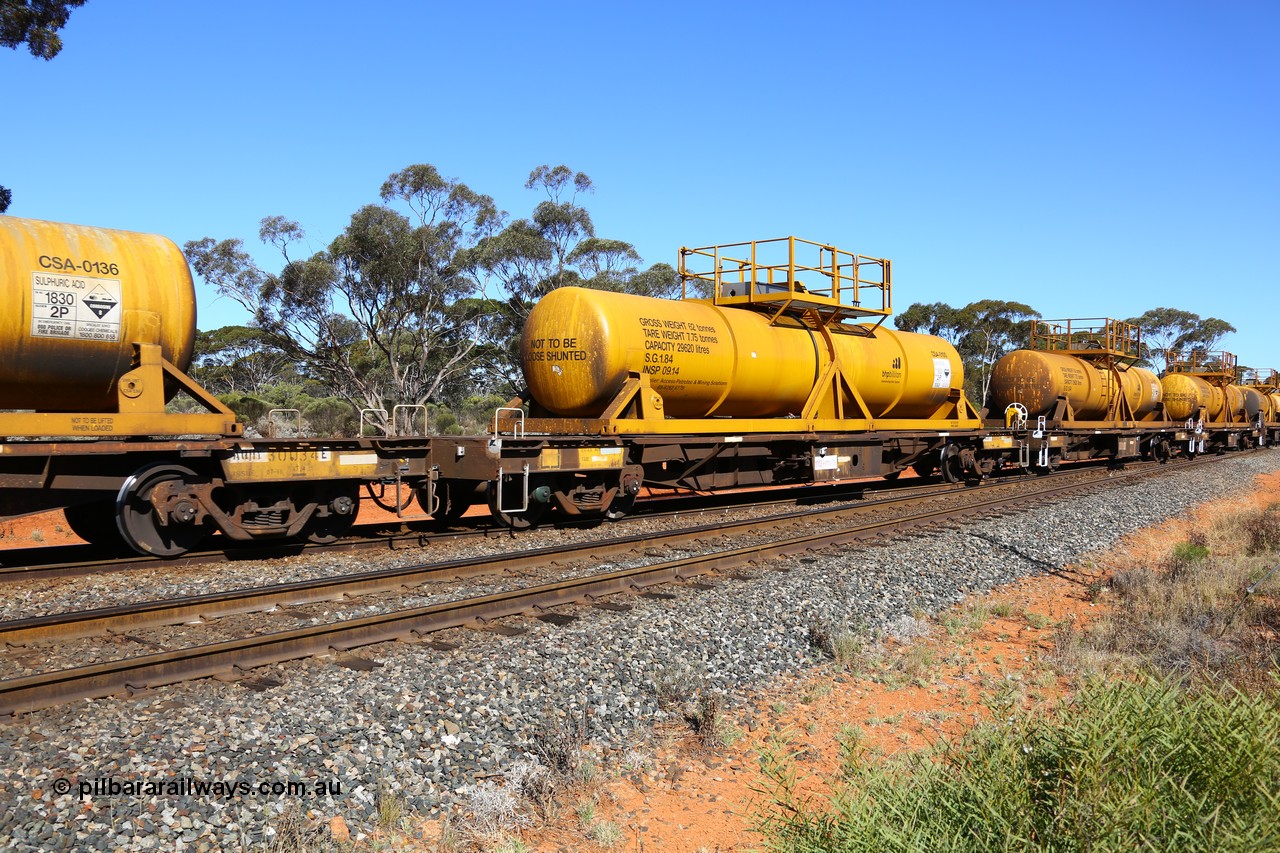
x=1265, y=383
x=97, y=329
x=770, y=347
x=1079, y=393
x=774, y=367
x=1201, y=389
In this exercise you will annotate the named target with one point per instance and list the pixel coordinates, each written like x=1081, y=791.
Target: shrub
x=330, y=417
x=707, y=722
x=1263, y=530
x=1125, y=766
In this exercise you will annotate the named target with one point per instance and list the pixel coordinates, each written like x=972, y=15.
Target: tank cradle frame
x=1220, y=371
x=834, y=405
x=140, y=407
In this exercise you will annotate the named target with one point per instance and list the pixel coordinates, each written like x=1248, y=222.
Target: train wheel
x=95, y=522
x=167, y=529
x=1160, y=451
x=342, y=504
x=624, y=497
x=530, y=517
x=950, y=464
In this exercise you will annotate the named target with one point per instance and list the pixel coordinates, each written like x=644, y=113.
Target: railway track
x=234, y=658
x=78, y=560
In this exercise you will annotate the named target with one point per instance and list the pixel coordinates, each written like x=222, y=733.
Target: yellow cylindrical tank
x=1185, y=395
x=1142, y=388
x=1251, y=402
x=75, y=299
x=1037, y=379
x=1273, y=406
x=705, y=361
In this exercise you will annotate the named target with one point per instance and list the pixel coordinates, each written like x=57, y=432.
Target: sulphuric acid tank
x=1254, y=403
x=1037, y=379
x=1185, y=394
x=1271, y=406
x=706, y=361
x=74, y=299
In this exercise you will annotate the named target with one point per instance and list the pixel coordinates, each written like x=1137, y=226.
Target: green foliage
x=992, y=328
x=6, y=198
x=330, y=417
x=444, y=421
x=321, y=416
x=981, y=332
x=1124, y=766
x=421, y=298
x=238, y=359
x=1190, y=552
x=475, y=412
x=1207, y=615
x=35, y=23
x=938, y=319
x=249, y=409
x=380, y=317
x=1157, y=749
x=555, y=247
x=1167, y=331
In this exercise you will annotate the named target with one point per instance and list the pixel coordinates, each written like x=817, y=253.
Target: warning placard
x=75, y=306
x=942, y=373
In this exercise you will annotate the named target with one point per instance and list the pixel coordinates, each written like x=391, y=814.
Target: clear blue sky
x=1089, y=159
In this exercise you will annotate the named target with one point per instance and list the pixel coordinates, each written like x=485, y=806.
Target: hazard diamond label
x=100, y=302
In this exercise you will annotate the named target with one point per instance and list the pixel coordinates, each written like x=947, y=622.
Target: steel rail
x=235, y=657
x=652, y=508
x=87, y=623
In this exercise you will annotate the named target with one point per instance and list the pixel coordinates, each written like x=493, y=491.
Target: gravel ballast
x=207, y=765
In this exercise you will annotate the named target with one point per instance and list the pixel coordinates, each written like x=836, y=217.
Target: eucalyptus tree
x=555, y=246
x=937, y=318
x=1172, y=330
x=386, y=314
x=993, y=327
x=35, y=23
x=238, y=359
x=981, y=332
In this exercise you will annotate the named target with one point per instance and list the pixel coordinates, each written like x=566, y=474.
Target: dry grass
x=1209, y=611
